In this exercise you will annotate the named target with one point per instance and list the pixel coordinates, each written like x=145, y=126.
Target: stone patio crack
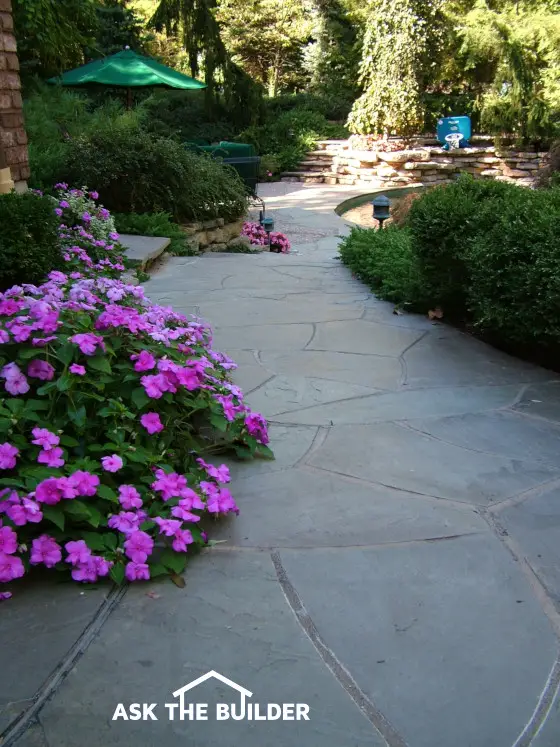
x=19, y=725
x=379, y=722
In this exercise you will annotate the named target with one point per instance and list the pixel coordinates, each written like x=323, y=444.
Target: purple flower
x=58, y=211
x=125, y=522
x=183, y=537
x=50, y=491
x=138, y=546
x=8, y=540
x=78, y=552
x=16, y=383
x=137, y=571
x=94, y=195
x=145, y=361
x=64, y=204
x=38, y=369
x=78, y=370
x=45, y=550
x=190, y=500
x=129, y=497
x=4, y=595
x=88, y=342
x=221, y=473
x=170, y=486
x=84, y=483
x=112, y=463
x=44, y=438
x=151, y=422
x=221, y=502
x=8, y=454
x=184, y=514
x=168, y=527
x=11, y=567
x=24, y=512
x=86, y=217
x=52, y=457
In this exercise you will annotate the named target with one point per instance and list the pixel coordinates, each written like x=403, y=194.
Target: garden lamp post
x=268, y=225
x=381, y=209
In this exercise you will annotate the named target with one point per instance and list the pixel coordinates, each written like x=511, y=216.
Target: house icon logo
x=185, y=707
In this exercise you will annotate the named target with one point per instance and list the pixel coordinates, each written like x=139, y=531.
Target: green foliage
x=155, y=224
x=118, y=26
x=486, y=252
x=401, y=39
x=51, y=34
x=137, y=172
x=385, y=260
x=288, y=137
x=443, y=222
x=29, y=246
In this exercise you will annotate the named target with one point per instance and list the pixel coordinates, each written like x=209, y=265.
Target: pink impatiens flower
x=77, y=370
x=25, y=512
x=125, y=522
x=138, y=546
x=168, y=527
x=137, y=571
x=145, y=361
x=8, y=540
x=11, y=567
x=151, y=422
x=129, y=497
x=87, y=342
x=221, y=502
x=44, y=438
x=183, y=537
x=8, y=454
x=52, y=457
x=16, y=383
x=50, y=491
x=40, y=370
x=78, y=552
x=221, y=473
x=83, y=483
x=45, y=550
x=112, y=463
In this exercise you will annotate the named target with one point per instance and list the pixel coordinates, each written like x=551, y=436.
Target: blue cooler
x=454, y=132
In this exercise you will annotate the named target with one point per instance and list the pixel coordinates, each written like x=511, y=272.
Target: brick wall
x=13, y=138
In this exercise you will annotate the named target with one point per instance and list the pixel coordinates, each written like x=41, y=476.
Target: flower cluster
x=279, y=242
x=79, y=207
x=107, y=402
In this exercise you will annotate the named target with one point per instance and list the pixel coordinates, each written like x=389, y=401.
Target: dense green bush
x=443, y=222
x=486, y=252
x=155, y=224
x=385, y=260
x=514, y=271
x=135, y=171
x=289, y=136
x=29, y=246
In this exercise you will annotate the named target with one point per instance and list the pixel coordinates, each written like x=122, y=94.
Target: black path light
x=381, y=209
x=268, y=225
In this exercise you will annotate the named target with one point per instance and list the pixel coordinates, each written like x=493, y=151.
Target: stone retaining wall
x=13, y=138
x=214, y=235
x=334, y=162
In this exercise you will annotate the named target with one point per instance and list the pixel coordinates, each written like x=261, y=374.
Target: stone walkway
x=397, y=568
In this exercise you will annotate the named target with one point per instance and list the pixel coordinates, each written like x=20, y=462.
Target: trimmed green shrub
x=513, y=292
x=443, y=222
x=155, y=224
x=29, y=245
x=386, y=261
x=137, y=172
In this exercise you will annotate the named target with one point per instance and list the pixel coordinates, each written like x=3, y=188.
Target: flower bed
x=109, y=403
x=279, y=242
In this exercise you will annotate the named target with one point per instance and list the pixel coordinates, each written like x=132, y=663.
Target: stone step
x=316, y=162
x=143, y=250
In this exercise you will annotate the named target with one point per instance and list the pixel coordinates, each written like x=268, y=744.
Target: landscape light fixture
x=268, y=225
x=381, y=209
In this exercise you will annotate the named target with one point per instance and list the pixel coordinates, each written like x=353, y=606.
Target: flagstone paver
x=396, y=567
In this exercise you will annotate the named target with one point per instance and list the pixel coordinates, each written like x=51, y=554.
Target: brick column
x=13, y=138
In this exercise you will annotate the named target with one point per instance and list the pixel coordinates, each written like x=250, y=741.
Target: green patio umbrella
x=127, y=69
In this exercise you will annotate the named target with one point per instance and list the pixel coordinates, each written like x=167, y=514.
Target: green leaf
x=46, y=388
x=264, y=451
x=175, y=561
x=78, y=417
x=15, y=405
x=243, y=452
x=100, y=363
x=94, y=541
x=157, y=569
x=147, y=525
x=5, y=424
x=28, y=353
x=70, y=442
x=95, y=516
x=117, y=573
x=63, y=383
x=139, y=397
x=140, y=456
x=36, y=404
x=110, y=541
x=11, y=483
x=65, y=353
x=54, y=514
x=219, y=422
x=104, y=491
x=77, y=508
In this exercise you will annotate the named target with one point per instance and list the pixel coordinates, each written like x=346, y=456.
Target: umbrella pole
x=129, y=98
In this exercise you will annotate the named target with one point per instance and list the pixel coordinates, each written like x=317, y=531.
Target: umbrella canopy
x=129, y=70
